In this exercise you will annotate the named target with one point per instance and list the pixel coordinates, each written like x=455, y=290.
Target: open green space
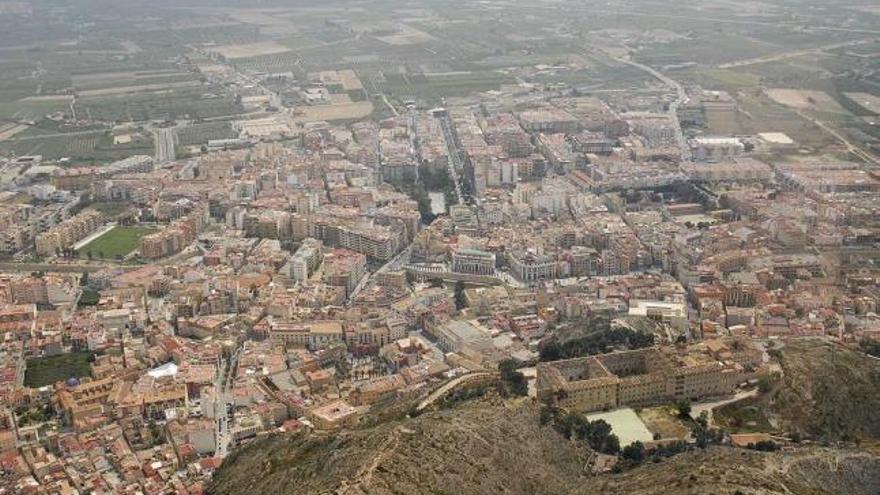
x=118, y=242
x=47, y=370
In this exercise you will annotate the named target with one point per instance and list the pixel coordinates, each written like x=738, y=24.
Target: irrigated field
x=90, y=147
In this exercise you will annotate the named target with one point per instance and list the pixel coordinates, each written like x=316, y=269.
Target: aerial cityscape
x=440, y=247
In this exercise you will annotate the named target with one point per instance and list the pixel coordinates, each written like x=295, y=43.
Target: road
x=707, y=407
x=164, y=137
x=94, y=235
x=395, y=263
x=448, y=386
x=673, y=107
x=389, y=105
x=223, y=401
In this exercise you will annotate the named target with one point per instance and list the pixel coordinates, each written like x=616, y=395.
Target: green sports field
x=118, y=242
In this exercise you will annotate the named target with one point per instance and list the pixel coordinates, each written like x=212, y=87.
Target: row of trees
x=417, y=191
x=703, y=434
x=635, y=453
x=871, y=347
x=438, y=180
x=599, y=437
x=514, y=382
x=595, y=343
x=463, y=394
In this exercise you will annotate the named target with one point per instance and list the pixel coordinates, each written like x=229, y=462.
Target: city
x=452, y=247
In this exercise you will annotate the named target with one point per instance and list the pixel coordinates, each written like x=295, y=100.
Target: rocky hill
x=491, y=446
x=828, y=392
x=429, y=454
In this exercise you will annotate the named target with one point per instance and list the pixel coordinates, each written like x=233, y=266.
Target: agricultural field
x=250, y=50
x=434, y=86
x=869, y=102
x=406, y=35
x=199, y=134
x=121, y=90
x=722, y=79
x=708, y=50
x=335, y=111
x=299, y=42
x=805, y=100
x=50, y=369
x=119, y=79
x=189, y=103
x=279, y=62
x=26, y=109
x=757, y=113
x=87, y=147
x=120, y=241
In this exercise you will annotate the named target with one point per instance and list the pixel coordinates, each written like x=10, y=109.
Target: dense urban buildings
x=217, y=225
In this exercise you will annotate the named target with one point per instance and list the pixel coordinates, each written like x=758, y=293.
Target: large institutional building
x=644, y=377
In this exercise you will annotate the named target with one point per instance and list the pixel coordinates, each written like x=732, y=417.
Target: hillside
x=725, y=470
x=828, y=392
x=488, y=446
x=431, y=453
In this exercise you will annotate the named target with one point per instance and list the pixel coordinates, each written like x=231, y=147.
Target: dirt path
x=362, y=480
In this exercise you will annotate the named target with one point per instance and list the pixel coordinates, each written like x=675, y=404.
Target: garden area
x=47, y=370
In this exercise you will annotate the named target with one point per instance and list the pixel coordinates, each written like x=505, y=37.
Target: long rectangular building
x=636, y=378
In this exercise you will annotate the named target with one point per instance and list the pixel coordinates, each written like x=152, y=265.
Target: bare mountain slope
x=828, y=392
x=489, y=446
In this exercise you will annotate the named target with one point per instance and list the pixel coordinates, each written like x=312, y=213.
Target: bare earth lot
x=251, y=49
x=805, y=100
